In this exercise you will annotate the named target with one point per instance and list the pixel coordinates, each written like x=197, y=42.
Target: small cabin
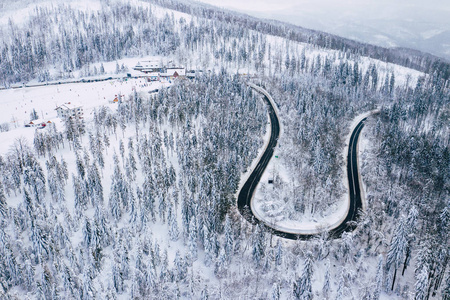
x=38, y=123
x=174, y=72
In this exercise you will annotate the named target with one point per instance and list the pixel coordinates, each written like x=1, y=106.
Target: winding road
x=247, y=191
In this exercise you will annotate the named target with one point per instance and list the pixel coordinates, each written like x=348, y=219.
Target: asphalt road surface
x=249, y=187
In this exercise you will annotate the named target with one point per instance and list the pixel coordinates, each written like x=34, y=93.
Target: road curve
x=247, y=191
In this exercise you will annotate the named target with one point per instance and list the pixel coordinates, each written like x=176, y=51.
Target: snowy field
x=17, y=104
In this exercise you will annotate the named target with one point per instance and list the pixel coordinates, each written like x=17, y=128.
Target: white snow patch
x=17, y=104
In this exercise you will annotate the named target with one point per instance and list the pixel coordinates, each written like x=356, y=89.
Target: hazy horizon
x=413, y=24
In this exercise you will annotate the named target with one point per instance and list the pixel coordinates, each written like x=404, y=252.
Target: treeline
x=116, y=31
x=405, y=57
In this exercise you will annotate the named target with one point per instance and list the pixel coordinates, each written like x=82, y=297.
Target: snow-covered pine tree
x=87, y=291
x=276, y=292
x=40, y=241
x=192, y=243
x=117, y=279
x=421, y=285
x=341, y=289
x=259, y=245
x=173, y=225
x=326, y=289
x=397, y=250
x=81, y=195
x=378, y=279
x=411, y=222
x=134, y=210
x=120, y=192
x=95, y=186
x=3, y=204
x=228, y=245
x=131, y=165
x=180, y=268
x=279, y=253
x=87, y=233
x=303, y=287
x=204, y=295
x=164, y=272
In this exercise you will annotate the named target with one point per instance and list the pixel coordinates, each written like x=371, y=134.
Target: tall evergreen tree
x=378, y=279
x=303, y=286
x=259, y=245
x=228, y=246
x=326, y=283
x=421, y=286
x=397, y=250
x=3, y=204
x=276, y=293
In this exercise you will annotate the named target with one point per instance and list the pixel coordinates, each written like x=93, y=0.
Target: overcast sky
x=419, y=24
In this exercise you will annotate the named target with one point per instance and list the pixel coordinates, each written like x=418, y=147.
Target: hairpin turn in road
x=248, y=189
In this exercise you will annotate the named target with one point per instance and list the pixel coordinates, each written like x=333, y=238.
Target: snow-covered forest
x=139, y=201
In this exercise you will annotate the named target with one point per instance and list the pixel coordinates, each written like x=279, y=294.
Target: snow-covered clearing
x=17, y=104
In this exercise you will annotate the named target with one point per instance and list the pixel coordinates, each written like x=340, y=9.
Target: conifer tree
x=326, y=282
x=3, y=205
x=193, y=247
x=87, y=233
x=421, y=286
x=378, y=279
x=303, y=286
x=340, y=289
x=276, y=293
x=221, y=265
x=228, y=239
x=259, y=245
x=279, y=253
x=397, y=250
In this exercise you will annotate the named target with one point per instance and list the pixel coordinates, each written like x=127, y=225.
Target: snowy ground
x=17, y=104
